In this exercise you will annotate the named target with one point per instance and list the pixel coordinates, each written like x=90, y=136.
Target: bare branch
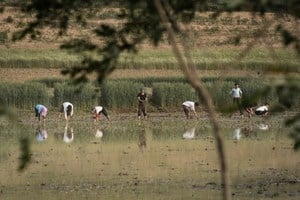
x=189, y=70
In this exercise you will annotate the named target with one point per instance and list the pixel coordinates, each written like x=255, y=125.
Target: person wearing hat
x=142, y=98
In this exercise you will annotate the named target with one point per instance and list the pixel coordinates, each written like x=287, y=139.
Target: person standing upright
x=236, y=94
x=142, y=98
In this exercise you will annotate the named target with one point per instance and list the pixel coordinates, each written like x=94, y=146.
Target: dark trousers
x=258, y=112
x=237, y=101
x=142, y=109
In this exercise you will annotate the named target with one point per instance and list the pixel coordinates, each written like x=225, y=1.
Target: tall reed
x=171, y=95
x=23, y=96
x=120, y=94
x=82, y=96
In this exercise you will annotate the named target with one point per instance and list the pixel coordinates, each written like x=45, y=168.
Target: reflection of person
x=142, y=139
x=41, y=134
x=41, y=111
x=237, y=134
x=142, y=98
x=189, y=106
x=249, y=110
x=67, y=109
x=236, y=94
x=98, y=134
x=263, y=127
x=97, y=111
x=262, y=110
x=189, y=134
x=68, y=134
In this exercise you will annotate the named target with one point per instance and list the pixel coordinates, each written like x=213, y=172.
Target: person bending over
x=189, y=106
x=262, y=110
x=97, y=111
x=41, y=111
x=67, y=109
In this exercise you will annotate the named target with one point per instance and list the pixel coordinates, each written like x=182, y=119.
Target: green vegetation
x=213, y=59
x=36, y=58
x=83, y=96
x=23, y=96
x=119, y=94
x=168, y=95
x=3, y=37
x=165, y=94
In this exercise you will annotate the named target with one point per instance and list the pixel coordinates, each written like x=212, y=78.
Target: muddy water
x=161, y=158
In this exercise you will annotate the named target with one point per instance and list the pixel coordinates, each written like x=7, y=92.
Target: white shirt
x=262, y=108
x=189, y=134
x=65, y=106
x=236, y=92
x=98, y=109
x=68, y=135
x=189, y=104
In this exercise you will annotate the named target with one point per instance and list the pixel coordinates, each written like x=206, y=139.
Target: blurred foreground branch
x=189, y=71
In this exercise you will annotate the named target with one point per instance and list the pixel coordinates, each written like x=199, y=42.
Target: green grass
x=165, y=94
x=23, y=96
x=213, y=59
x=36, y=58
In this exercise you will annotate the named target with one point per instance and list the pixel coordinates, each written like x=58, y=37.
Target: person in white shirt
x=189, y=106
x=262, y=110
x=97, y=111
x=67, y=109
x=236, y=94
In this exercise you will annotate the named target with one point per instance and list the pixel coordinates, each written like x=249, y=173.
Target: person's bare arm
x=195, y=113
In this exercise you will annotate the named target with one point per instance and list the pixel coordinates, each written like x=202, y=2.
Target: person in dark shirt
x=142, y=98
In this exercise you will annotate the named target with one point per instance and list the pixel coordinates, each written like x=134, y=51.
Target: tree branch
x=189, y=71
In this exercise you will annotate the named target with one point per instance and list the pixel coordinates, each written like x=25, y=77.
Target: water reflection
x=248, y=131
x=41, y=133
x=68, y=134
x=189, y=133
x=263, y=127
x=237, y=134
x=98, y=133
x=142, y=139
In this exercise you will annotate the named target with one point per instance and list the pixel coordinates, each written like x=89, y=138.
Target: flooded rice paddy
x=164, y=157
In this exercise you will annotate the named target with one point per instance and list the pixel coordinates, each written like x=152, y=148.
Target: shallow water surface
x=155, y=159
